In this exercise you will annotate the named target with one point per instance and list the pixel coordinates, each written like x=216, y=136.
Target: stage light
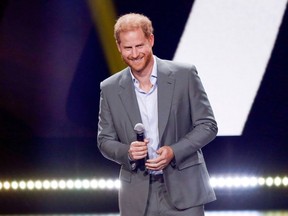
x=22, y=185
x=62, y=184
x=77, y=184
x=30, y=185
x=221, y=182
x=85, y=184
x=70, y=184
x=94, y=184
x=254, y=181
x=14, y=185
x=261, y=181
x=102, y=184
x=6, y=185
x=46, y=184
x=269, y=181
x=38, y=185
x=285, y=181
x=277, y=181
x=54, y=184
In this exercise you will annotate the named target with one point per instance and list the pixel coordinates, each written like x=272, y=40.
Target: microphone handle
x=140, y=137
x=141, y=162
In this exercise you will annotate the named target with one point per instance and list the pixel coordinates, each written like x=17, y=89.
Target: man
x=170, y=101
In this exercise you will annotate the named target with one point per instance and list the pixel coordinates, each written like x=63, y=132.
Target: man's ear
x=151, y=40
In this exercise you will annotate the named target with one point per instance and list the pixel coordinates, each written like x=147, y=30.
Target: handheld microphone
x=139, y=130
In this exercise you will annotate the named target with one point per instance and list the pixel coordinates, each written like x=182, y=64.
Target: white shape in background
x=230, y=42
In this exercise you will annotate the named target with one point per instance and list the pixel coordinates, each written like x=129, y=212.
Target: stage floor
x=208, y=213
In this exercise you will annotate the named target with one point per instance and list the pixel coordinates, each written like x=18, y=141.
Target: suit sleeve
x=204, y=127
x=108, y=142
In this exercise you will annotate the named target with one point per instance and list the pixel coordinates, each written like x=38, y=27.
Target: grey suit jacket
x=186, y=124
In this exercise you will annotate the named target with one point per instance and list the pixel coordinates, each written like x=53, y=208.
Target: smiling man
x=164, y=174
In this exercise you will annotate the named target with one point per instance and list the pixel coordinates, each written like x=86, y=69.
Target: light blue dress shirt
x=148, y=105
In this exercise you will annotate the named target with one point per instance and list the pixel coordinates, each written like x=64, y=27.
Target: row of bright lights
x=248, y=182
x=102, y=184
x=77, y=184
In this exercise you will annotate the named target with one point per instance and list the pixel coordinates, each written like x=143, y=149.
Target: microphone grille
x=139, y=128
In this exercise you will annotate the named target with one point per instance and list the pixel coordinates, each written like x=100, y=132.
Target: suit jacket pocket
x=125, y=175
x=197, y=158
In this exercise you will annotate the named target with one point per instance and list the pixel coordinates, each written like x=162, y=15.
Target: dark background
x=51, y=64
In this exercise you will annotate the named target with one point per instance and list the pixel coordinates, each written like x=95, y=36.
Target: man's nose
x=135, y=52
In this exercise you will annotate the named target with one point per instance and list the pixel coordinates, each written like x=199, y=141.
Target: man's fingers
x=138, y=150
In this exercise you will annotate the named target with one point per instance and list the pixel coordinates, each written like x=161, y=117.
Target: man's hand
x=138, y=150
x=166, y=154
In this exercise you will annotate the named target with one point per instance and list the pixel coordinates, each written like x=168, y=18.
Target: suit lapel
x=128, y=98
x=166, y=83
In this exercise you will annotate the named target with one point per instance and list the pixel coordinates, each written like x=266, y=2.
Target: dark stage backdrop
x=54, y=54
